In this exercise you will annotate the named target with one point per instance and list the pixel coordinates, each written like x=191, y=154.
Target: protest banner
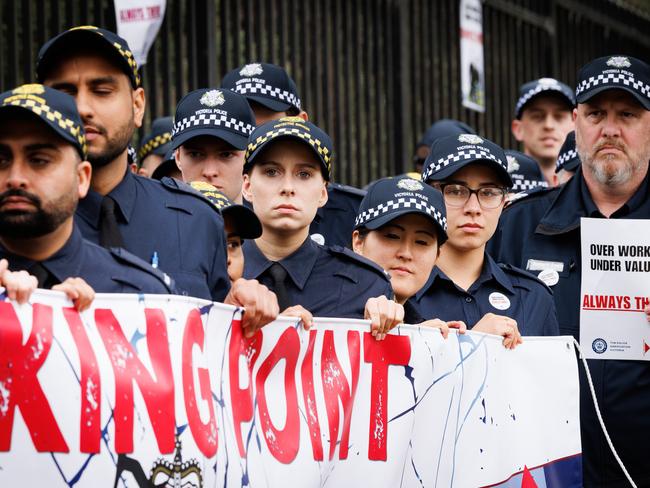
x=144, y=391
x=615, y=289
x=138, y=21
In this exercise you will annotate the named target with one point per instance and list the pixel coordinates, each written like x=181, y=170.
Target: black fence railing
x=373, y=73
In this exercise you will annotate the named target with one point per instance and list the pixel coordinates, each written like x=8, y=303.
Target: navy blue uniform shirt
x=114, y=271
x=335, y=220
x=542, y=231
x=172, y=220
x=329, y=282
x=502, y=290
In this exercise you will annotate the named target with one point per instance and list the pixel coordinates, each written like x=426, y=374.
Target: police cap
x=568, y=158
x=452, y=153
x=525, y=172
x=57, y=109
x=543, y=86
x=158, y=141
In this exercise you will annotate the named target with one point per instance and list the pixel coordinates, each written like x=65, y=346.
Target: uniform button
x=468, y=299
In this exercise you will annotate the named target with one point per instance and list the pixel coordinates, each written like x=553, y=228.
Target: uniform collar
x=490, y=272
x=124, y=195
x=298, y=265
x=65, y=263
x=574, y=201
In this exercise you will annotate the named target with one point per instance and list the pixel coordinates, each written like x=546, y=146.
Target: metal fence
x=373, y=73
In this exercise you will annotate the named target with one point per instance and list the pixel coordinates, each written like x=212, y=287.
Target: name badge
x=539, y=265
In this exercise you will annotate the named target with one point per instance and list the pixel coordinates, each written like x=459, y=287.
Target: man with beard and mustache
x=166, y=223
x=541, y=233
x=43, y=173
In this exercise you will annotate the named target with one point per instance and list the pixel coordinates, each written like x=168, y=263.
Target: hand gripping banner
x=144, y=391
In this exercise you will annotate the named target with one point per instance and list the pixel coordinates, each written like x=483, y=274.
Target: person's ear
x=139, y=104
x=303, y=115
x=84, y=174
x=357, y=242
x=574, y=114
x=246, y=188
x=324, y=196
x=517, y=129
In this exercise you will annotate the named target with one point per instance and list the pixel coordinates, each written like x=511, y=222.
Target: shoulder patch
x=349, y=255
x=125, y=257
x=521, y=276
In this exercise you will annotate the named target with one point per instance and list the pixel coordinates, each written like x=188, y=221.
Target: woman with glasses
x=471, y=172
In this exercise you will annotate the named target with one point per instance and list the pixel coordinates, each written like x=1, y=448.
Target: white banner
x=138, y=21
x=472, y=73
x=615, y=288
x=147, y=390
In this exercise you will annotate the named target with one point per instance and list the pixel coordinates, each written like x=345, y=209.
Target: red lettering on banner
x=309, y=397
x=393, y=350
x=19, y=385
x=241, y=399
x=283, y=444
x=336, y=387
x=205, y=434
x=90, y=384
x=158, y=394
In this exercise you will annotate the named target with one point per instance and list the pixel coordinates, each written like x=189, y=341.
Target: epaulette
x=347, y=189
x=349, y=255
x=520, y=273
x=125, y=257
x=181, y=187
x=529, y=195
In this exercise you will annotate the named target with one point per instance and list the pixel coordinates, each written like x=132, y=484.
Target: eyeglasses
x=457, y=195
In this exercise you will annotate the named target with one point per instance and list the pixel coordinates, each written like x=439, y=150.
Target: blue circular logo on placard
x=599, y=346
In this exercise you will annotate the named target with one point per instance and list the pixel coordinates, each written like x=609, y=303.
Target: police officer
x=467, y=284
x=157, y=222
x=542, y=120
x=167, y=168
x=287, y=166
x=542, y=234
x=240, y=221
x=525, y=174
x=211, y=128
x=440, y=128
x=269, y=89
x=155, y=145
x=166, y=223
x=43, y=174
x=568, y=160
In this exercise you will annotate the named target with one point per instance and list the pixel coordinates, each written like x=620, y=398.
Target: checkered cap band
x=474, y=154
x=128, y=56
x=256, y=88
x=523, y=100
x=399, y=204
x=52, y=115
x=523, y=185
x=294, y=132
x=613, y=79
x=157, y=141
x=566, y=157
x=217, y=120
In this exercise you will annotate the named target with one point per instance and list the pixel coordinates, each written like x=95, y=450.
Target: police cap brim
x=245, y=222
x=587, y=95
x=271, y=104
x=375, y=224
x=236, y=140
x=450, y=170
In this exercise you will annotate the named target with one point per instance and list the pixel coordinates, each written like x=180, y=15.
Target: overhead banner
x=144, y=391
x=615, y=289
x=138, y=21
x=472, y=73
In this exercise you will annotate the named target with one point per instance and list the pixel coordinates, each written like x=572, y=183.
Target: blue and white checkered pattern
x=523, y=185
x=565, y=158
x=474, y=154
x=613, y=79
x=523, y=100
x=256, y=88
x=401, y=203
x=217, y=120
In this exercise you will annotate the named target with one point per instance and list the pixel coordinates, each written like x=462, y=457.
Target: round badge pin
x=318, y=239
x=549, y=277
x=499, y=301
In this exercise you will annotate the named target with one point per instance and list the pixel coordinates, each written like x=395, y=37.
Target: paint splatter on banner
x=144, y=391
